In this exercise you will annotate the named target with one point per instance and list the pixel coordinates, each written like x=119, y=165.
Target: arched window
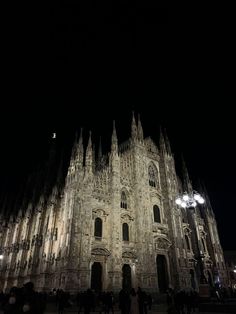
x=152, y=176
x=98, y=227
x=156, y=213
x=187, y=242
x=123, y=201
x=125, y=232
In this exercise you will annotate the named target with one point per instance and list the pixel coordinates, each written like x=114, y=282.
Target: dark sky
x=197, y=116
x=73, y=64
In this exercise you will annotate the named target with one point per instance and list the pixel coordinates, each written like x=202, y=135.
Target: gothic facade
x=113, y=223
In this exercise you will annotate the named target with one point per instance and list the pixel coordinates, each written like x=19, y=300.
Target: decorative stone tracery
x=162, y=243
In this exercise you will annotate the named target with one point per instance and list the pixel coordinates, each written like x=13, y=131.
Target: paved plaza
x=208, y=308
x=156, y=309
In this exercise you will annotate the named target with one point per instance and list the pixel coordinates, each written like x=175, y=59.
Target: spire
x=94, y=156
x=28, y=212
x=133, y=128
x=79, y=160
x=74, y=149
x=99, y=160
x=113, y=157
x=18, y=201
x=167, y=142
x=114, y=141
x=140, y=129
x=27, y=188
x=162, y=143
x=187, y=185
x=204, y=193
x=89, y=154
x=40, y=182
x=19, y=214
x=100, y=149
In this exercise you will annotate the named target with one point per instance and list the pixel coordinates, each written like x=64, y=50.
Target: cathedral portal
x=96, y=277
x=126, y=277
x=162, y=274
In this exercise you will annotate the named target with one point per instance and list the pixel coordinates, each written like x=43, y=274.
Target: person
x=134, y=308
x=124, y=301
x=172, y=301
x=142, y=301
x=30, y=300
x=149, y=300
x=12, y=304
x=109, y=302
x=62, y=301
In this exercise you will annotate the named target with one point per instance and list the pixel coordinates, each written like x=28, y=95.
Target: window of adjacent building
x=123, y=202
x=152, y=175
x=187, y=242
x=125, y=232
x=98, y=227
x=156, y=213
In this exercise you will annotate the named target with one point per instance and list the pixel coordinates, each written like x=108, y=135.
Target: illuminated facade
x=113, y=223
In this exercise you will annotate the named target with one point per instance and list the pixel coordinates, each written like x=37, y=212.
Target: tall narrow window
x=125, y=232
x=187, y=242
x=123, y=201
x=156, y=214
x=98, y=227
x=152, y=175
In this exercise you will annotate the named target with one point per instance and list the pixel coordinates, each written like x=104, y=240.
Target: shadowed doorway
x=192, y=277
x=126, y=276
x=96, y=277
x=162, y=273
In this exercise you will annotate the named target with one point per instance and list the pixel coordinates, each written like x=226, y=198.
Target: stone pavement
x=156, y=309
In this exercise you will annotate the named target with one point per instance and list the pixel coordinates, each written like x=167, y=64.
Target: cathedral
x=113, y=222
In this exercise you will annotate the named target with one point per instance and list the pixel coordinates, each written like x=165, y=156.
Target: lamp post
x=191, y=201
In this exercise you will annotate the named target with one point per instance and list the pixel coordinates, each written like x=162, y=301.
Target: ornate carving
x=203, y=233
x=33, y=241
x=154, y=228
x=151, y=146
x=128, y=254
x=186, y=229
x=162, y=243
x=100, y=251
x=99, y=213
x=126, y=217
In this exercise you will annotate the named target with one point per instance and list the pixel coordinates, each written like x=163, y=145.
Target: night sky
x=196, y=115
x=81, y=64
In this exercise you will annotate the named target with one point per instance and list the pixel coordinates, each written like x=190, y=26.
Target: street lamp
x=190, y=201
